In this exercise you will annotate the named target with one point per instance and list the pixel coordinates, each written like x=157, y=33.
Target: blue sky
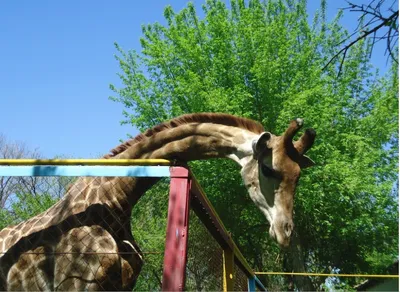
x=57, y=61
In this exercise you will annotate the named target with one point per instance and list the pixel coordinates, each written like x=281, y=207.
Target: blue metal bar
x=259, y=284
x=251, y=284
x=62, y=170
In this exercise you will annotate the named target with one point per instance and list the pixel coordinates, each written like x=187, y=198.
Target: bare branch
x=9, y=186
x=364, y=33
x=388, y=46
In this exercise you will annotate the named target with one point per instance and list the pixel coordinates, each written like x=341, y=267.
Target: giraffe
x=84, y=241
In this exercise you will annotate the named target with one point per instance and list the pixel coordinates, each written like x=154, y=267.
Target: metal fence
x=183, y=243
x=204, y=268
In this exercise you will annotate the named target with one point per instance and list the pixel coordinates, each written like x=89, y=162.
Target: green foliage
x=30, y=196
x=6, y=219
x=263, y=60
x=27, y=205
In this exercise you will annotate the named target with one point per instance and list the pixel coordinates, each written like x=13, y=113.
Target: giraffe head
x=272, y=173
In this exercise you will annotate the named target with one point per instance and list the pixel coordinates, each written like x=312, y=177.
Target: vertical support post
x=175, y=254
x=228, y=262
x=251, y=284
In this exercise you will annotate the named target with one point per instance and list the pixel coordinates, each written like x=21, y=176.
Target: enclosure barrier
x=370, y=284
x=328, y=275
x=184, y=264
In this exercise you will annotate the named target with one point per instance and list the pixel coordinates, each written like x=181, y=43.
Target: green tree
x=264, y=60
x=24, y=197
x=27, y=205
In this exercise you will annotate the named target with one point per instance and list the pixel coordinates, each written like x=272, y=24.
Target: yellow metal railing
x=327, y=275
x=228, y=270
x=85, y=162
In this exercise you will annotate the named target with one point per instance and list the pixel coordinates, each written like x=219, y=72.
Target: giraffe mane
x=215, y=118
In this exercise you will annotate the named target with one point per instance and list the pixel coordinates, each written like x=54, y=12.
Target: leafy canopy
x=263, y=60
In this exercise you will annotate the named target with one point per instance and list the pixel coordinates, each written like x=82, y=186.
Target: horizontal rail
x=86, y=170
x=85, y=162
x=90, y=253
x=327, y=275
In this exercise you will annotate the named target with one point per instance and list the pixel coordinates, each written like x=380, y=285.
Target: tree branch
x=385, y=22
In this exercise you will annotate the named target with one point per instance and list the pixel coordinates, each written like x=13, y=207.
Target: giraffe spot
x=97, y=231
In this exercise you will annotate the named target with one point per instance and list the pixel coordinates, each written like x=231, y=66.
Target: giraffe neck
x=186, y=142
x=194, y=141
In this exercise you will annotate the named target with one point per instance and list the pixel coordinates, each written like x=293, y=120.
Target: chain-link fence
x=204, y=266
x=82, y=241
x=149, y=221
x=79, y=249
x=240, y=283
x=209, y=242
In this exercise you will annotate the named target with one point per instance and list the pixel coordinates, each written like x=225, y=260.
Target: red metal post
x=175, y=253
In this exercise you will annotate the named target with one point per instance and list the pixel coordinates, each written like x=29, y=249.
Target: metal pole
x=251, y=284
x=175, y=255
x=228, y=266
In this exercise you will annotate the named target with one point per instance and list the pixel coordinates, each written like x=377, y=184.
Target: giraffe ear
x=261, y=143
x=305, y=161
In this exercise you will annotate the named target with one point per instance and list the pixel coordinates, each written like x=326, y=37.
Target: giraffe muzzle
x=282, y=232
